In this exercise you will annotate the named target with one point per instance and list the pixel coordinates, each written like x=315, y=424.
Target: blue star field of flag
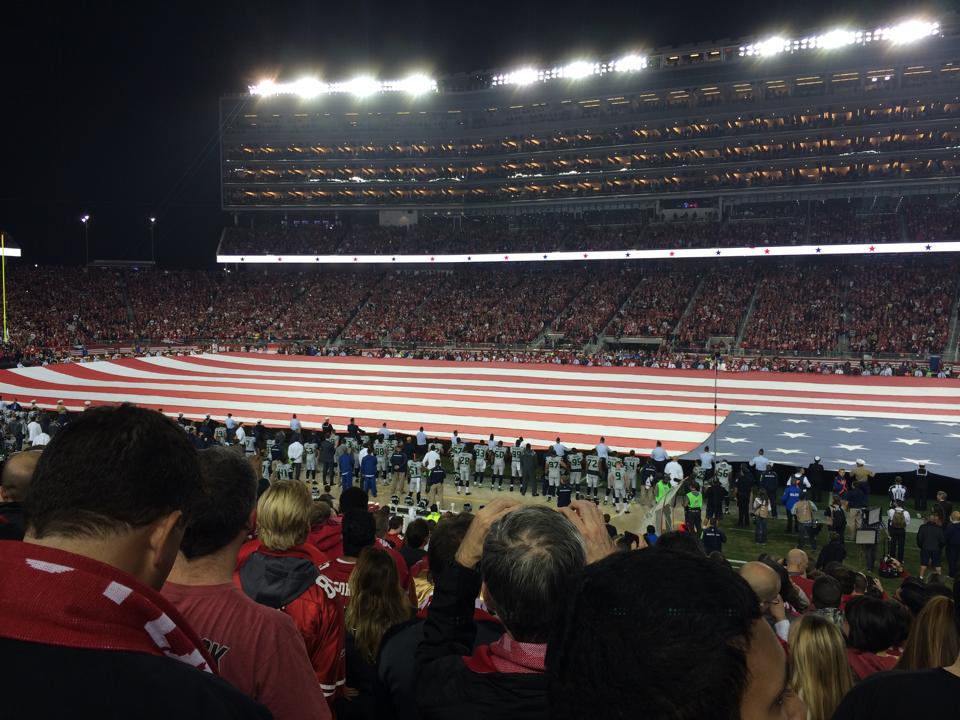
x=887, y=445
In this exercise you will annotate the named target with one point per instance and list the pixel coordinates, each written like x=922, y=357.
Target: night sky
x=110, y=108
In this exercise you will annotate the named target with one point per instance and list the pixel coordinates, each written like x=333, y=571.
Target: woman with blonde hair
x=819, y=672
x=933, y=641
x=377, y=603
x=279, y=570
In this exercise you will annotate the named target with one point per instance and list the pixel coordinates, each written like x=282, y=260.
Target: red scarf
x=54, y=597
x=507, y=655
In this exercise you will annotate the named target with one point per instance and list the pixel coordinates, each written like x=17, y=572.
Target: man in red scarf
x=84, y=629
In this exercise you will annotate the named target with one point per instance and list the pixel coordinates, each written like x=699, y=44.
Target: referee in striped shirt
x=897, y=491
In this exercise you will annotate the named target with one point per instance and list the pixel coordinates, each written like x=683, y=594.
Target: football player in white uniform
x=617, y=478
x=554, y=466
x=631, y=463
x=480, y=451
x=499, y=453
x=592, y=462
x=575, y=458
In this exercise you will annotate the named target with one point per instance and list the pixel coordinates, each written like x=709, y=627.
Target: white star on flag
x=793, y=436
x=751, y=414
x=843, y=417
x=901, y=427
x=922, y=461
x=745, y=425
x=851, y=448
x=795, y=421
x=720, y=454
x=845, y=462
x=953, y=435
x=905, y=441
x=782, y=451
x=848, y=430
x=948, y=424
x=734, y=440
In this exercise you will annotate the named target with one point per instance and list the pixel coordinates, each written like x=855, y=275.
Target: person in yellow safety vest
x=661, y=489
x=694, y=511
x=434, y=514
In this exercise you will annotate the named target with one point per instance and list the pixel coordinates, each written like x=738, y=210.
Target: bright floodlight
x=417, y=84
x=770, y=46
x=153, y=219
x=630, y=63
x=523, y=76
x=911, y=31
x=264, y=87
x=836, y=39
x=308, y=87
x=84, y=219
x=578, y=69
x=362, y=86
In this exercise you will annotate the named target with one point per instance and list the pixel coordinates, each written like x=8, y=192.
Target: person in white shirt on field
x=33, y=429
x=431, y=459
x=660, y=457
x=295, y=456
x=760, y=463
x=706, y=462
x=559, y=449
x=385, y=432
x=295, y=424
x=240, y=435
x=40, y=440
x=674, y=472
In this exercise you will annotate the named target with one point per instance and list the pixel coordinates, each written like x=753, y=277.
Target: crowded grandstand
x=339, y=473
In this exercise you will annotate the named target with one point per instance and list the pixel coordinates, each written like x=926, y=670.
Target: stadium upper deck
x=839, y=113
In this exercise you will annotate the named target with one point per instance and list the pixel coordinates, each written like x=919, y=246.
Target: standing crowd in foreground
x=154, y=579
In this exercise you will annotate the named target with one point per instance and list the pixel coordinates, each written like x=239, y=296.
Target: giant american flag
x=632, y=408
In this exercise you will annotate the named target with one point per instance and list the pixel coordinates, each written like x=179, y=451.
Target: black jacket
x=930, y=537
x=832, y=551
x=112, y=684
x=815, y=475
x=446, y=687
x=397, y=671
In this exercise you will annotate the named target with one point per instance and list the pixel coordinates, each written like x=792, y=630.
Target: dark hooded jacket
x=286, y=580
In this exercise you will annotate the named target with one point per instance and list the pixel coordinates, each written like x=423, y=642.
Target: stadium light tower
x=85, y=220
x=153, y=226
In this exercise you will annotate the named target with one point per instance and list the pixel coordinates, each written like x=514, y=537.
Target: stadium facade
x=845, y=113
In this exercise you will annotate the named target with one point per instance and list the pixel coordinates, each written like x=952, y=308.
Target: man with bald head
x=797, y=562
x=14, y=482
x=765, y=583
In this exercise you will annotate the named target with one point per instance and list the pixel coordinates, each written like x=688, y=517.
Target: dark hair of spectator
x=826, y=592
x=228, y=496
x=358, y=531
x=110, y=470
x=593, y=659
x=418, y=532
x=445, y=541
x=681, y=542
x=875, y=624
x=843, y=575
x=353, y=498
